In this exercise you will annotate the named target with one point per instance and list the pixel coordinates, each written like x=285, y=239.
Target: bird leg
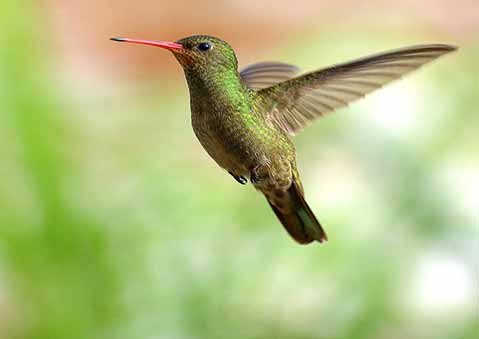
x=239, y=178
x=256, y=176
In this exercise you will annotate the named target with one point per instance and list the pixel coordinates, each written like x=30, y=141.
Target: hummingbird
x=244, y=118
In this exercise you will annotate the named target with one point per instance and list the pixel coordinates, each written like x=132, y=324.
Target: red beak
x=172, y=46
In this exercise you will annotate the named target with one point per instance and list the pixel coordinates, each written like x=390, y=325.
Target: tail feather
x=298, y=219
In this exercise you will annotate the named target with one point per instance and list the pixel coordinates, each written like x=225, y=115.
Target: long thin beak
x=172, y=46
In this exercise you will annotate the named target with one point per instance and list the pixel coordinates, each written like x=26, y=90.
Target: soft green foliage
x=114, y=227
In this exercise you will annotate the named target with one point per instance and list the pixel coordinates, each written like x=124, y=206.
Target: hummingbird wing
x=266, y=74
x=296, y=102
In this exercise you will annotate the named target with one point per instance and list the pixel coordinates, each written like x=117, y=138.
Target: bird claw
x=254, y=176
x=239, y=178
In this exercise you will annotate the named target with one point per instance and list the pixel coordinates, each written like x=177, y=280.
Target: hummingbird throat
x=220, y=88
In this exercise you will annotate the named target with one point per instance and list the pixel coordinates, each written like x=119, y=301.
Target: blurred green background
x=114, y=223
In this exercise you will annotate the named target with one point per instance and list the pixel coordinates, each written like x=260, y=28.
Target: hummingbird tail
x=297, y=218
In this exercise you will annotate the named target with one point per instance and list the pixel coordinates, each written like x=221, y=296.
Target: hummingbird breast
x=240, y=141
x=228, y=142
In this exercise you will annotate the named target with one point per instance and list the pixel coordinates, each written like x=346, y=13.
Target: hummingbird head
x=198, y=54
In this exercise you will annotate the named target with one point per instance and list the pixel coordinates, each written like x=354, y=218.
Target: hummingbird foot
x=255, y=176
x=239, y=178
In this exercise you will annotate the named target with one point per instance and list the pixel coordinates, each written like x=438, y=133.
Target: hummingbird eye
x=204, y=46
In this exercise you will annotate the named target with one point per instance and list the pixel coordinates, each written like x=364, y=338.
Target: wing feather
x=265, y=74
x=295, y=102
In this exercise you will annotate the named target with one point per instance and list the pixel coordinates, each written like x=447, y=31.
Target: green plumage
x=244, y=119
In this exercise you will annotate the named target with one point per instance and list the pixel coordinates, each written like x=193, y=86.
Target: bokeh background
x=114, y=223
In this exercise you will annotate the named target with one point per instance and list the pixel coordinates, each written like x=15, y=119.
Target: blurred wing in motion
x=296, y=102
x=266, y=74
